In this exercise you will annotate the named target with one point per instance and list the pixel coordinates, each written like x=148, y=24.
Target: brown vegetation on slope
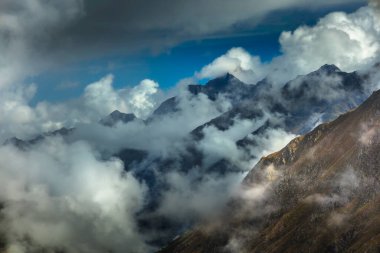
x=318, y=194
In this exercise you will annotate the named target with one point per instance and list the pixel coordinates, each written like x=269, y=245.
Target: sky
x=171, y=63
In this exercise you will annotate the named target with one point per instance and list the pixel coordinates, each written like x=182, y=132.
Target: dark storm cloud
x=87, y=27
x=375, y=3
x=135, y=25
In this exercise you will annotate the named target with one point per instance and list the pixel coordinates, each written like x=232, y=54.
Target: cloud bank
x=349, y=41
x=38, y=35
x=64, y=197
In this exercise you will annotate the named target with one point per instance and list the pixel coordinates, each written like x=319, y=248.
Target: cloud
x=368, y=134
x=139, y=25
x=198, y=195
x=63, y=196
x=25, y=28
x=140, y=98
x=375, y=3
x=102, y=98
x=16, y=114
x=323, y=86
x=218, y=144
x=254, y=201
x=164, y=136
x=37, y=35
x=98, y=100
x=193, y=196
x=69, y=203
x=350, y=41
x=238, y=62
x=271, y=140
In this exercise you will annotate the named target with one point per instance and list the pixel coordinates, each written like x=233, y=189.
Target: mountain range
x=318, y=194
x=323, y=185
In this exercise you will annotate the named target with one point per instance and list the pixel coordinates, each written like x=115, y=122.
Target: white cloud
x=16, y=114
x=193, y=196
x=63, y=196
x=140, y=98
x=350, y=41
x=101, y=97
x=268, y=142
x=218, y=144
x=238, y=62
x=164, y=136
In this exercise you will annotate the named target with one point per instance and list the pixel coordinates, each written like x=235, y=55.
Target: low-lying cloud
x=61, y=196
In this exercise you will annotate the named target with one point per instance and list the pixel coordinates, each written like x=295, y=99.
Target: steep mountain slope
x=321, y=193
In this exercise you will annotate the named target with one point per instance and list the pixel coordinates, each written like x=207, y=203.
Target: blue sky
x=167, y=67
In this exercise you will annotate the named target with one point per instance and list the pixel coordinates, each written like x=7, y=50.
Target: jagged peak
x=116, y=116
x=118, y=113
x=223, y=80
x=329, y=68
x=229, y=76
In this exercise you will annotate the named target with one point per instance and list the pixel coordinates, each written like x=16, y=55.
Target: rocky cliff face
x=318, y=194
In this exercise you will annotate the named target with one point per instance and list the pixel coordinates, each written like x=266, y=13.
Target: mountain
x=300, y=112
x=110, y=120
x=116, y=117
x=313, y=94
x=302, y=104
x=227, y=85
x=321, y=193
x=24, y=144
x=296, y=107
x=168, y=106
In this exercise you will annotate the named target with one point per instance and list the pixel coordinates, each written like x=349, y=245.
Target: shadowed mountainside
x=318, y=194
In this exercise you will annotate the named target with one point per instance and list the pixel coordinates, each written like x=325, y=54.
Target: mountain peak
x=329, y=68
x=229, y=76
x=222, y=81
x=116, y=113
x=226, y=77
x=215, y=86
x=117, y=116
